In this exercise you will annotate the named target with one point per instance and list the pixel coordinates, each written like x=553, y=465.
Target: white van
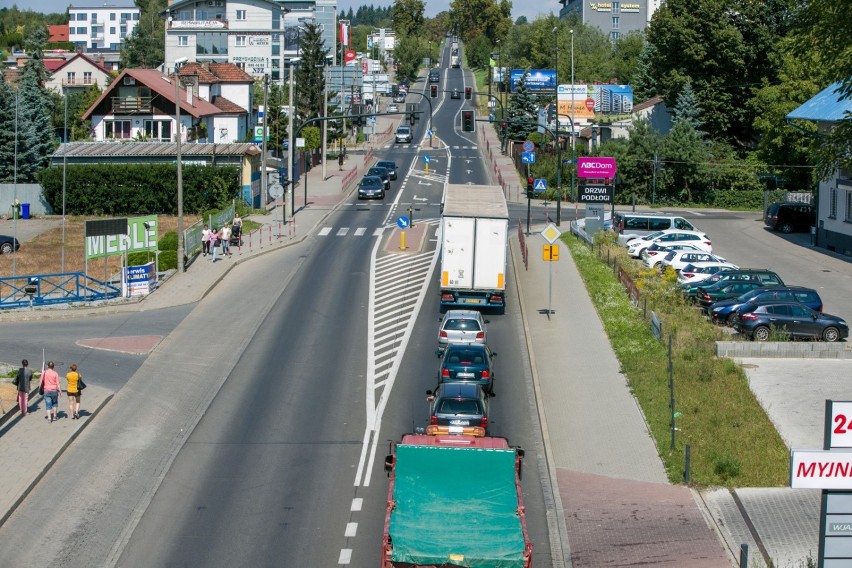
x=631, y=225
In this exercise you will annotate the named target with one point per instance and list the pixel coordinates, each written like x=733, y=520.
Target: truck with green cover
x=455, y=501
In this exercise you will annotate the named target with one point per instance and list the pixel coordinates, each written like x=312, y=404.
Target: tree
x=687, y=108
x=408, y=16
x=625, y=56
x=643, y=149
x=684, y=152
x=478, y=52
x=309, y=76
x=644, y=84
x=408, y=54
x=473, y=17
x=521, y=116
x=146, y=46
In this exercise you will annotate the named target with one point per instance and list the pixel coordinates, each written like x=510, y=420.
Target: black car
x=458, y=408
x=389, y=166
x=725, y=311
x=8, y=244
x=371, y=187
x=796, y=320
x=789, y=217
x=723, y=290
x=382, y=173
x=434, y=76
x=455, y=94
x=468, y=363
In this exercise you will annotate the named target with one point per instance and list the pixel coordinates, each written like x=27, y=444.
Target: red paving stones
x=136, y=344
x=621, y=522
x=414, y=239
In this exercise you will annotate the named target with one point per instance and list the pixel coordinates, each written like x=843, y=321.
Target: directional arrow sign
x=427, y=159
x=402, y=222
x=420, y=198
x=528, y=157
x=429, y=133
x=421, y=182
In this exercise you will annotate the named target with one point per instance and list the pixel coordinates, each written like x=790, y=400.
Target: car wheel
x=786, y=228
x=732, y=319
x=760, y=333
x=6, y=248
x=831, y=334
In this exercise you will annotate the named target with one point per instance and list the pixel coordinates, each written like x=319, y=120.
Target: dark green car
x=724, y=290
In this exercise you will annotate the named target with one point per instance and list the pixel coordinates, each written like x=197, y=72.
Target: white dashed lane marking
x=351, y=530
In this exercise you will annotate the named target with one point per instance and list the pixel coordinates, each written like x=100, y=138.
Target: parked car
x=725, y=311
x=757, y=321
x=789, y=217
x=468, y=363
x=655, y=253
x=403, y=135
x=382, y=173
x=671, y=236
x=677, y=259
x=458, y=408
x=723, y=290
x=390, y=166
x=371, y=187
x=761, y=275
x=455, y=94
x=461, y=326
x=697, y=271
x=8, y=244
x=632, y=225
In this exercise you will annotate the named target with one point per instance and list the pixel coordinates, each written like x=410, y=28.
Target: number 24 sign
x=841, y=424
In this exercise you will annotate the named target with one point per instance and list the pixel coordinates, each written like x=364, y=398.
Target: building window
x=125, y=16
x=616, y=7
x=211, y=44
x=69, y=77
x=848, y=218
x=112, y=30
x=158, y=129
x=615, y=22
x=118, y=129
x=112, y=17
x=81, y=31
x=87, y=77
x=241, y=14
x=94, y=18
x=183, y=41
x=832, y=203
x=136, y=16
x=613, y=36
x=81, y=17
x=241, y=66
x=241, y=41
x=276, y=49
x=123, y=33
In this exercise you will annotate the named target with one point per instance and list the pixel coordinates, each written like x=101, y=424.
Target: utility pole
x=290, y=148
x=264, y=182
x=64, y=166
x=324, y=122
x=558, y=144
x=178, y=134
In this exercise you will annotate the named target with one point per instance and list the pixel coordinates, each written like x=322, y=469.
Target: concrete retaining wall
x=784, y=349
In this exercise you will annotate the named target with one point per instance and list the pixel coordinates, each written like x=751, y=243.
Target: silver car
x=461, y=326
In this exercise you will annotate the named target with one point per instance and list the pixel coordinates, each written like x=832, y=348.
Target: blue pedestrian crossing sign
x=540, y=185
x=427, y=159
x=527, y=157
x=402, y=222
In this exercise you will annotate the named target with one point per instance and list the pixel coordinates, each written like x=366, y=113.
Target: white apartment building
x=101, y=27
x=258, y=36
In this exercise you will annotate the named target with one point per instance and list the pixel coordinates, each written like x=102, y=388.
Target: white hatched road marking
x=345, y=556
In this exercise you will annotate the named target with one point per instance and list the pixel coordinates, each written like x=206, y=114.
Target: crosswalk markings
x=378, y=232
x=324, y=231
x=360, y=231
x=342, y=231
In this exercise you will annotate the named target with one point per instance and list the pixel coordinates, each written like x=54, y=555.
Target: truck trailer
x=474, y=243
x=455, y=501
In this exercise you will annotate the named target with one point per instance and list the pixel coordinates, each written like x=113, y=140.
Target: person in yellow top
x=73, y=378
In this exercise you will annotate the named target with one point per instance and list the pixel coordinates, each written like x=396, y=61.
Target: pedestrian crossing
x=331, y=231
x=417, y=147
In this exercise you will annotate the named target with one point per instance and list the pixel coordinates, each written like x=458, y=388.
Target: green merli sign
x=138, y=238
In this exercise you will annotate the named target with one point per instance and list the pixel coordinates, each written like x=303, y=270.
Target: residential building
x=57, y=33
x=259, y=36
x=78, y=72
x=834, y=195
x=615, y=18
x=98, y=27
x=140, y=104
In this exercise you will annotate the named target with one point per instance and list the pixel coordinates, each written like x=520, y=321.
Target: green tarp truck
x=455, y=501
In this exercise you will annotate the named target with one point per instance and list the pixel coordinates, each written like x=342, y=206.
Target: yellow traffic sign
x=550, y=252
x=551, y=233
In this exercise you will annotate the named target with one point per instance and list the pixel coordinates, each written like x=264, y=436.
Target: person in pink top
x=50, y=382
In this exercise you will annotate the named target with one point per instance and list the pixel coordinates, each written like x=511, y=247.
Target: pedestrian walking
x=226, y=240
x=22, y=382
x=75, y=382
x=214, y=243
x=50, y=384
x=340, y=161
x=205, y=240
x=237, y=229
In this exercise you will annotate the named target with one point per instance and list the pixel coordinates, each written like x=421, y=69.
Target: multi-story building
x=615, y=18
x=259, y=36
x=101, y=27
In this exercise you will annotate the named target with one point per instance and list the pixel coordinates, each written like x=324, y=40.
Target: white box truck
x=474, y=243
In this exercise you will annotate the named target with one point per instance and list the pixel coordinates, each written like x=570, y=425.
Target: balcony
x=131, y=105
x=215, y=24
x=78, y=82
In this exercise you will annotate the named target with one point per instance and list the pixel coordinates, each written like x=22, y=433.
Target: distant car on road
x=455, y=94
x=400, y=98
x=8, y=244
x=371, y=187
x=792, y=318
x=458, y=408
x=393, y=108
x=403, y=135
x=390, y=166
x=382, y=173
x=790, y=217
x=461, y=326
x=468, y=363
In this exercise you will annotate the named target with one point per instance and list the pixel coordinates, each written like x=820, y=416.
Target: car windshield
x=466, y=357
x=372, y=181
x=388, y=165
x=377, y=171
x=454, y=406
x=749, y=295
x=653, y=236
x=462, y=325
x=402, y=130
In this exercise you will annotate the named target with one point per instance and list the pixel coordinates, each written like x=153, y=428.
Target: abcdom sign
x=595, y=193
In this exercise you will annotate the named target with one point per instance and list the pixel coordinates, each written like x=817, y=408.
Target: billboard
x=588, y=102
x=135, y=238
x=538, y=80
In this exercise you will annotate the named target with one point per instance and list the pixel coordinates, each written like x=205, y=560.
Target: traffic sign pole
x=529, y=201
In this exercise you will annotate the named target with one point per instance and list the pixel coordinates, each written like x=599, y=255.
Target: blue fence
x=46, y=289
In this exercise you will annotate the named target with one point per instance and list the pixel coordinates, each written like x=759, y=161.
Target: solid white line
x=696, y=213
x=345, y=556
x=357, y=502
x=342, y=231
x=324, y=231
x=360, y=231
x=351, y=530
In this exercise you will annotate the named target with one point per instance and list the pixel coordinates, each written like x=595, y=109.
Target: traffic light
x=530, y=190
x=467, y=93
x=551, y=113
x=434, y=90
x=467, y=120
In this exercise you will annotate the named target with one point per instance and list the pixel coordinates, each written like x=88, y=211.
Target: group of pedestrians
x=51, y=389
x=212, y=239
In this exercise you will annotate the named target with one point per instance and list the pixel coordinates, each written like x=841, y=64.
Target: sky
x=529, y=8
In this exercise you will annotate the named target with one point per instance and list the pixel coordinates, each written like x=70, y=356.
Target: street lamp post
x=324, y=122
x=558, y=144
x=64, y=167
x=573, y=157
x=290, y=145
x=180, y=251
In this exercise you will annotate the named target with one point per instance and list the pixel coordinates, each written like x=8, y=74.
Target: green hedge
x=138, y=189
x=168, y=253
x=739, y=200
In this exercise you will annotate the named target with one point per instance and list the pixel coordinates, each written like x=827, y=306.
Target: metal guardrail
x=46, y=289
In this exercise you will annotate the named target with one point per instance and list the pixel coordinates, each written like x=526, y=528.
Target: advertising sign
x=349, y=56
x=595, y=193
x=588, y=102
x=138, y=238
x=596, y=167
x=139, y=280
x=538, y=80
x=821, y=469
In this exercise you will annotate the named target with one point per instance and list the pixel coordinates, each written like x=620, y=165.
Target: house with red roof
x=141, y=104
x=78, y=72
x=57, y=33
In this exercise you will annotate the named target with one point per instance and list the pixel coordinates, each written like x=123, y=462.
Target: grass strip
x=733, y=443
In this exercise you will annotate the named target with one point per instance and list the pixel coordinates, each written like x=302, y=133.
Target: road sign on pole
x=402, y=222
x=529, y=146
x=528, y=157
x=540, y=184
